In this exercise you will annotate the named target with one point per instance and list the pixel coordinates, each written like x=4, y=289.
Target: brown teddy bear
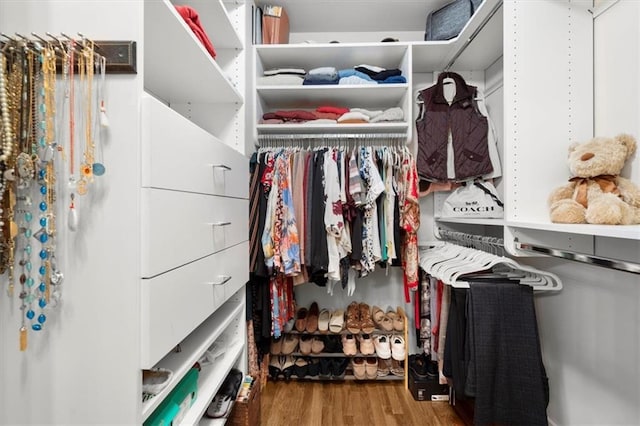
x=596, y=193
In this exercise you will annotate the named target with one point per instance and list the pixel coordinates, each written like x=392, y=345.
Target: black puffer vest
x=468, y=129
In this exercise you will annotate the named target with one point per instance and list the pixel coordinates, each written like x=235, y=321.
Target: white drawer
x=180, y=227
x=177, y=154
x=175, y=303
x=233, y=268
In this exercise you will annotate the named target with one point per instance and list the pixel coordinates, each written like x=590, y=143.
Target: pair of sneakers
x=350, y=348
x=221, y=404
x=390, y=346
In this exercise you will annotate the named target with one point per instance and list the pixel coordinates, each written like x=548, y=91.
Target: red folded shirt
x=335, y=110
x=190, y=16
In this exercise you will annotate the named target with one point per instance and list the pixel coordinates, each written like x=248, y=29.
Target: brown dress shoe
x=301, y=319
x=366, y=323
x=312, y=318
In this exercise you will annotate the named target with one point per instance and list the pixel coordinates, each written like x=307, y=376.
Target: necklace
x=7, y=131
x=73, y=214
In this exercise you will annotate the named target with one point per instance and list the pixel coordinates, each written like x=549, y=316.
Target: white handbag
x=473, y=199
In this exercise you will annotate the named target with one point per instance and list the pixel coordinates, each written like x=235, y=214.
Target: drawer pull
x=220, y=223
x=224, y=280
x=224, y=167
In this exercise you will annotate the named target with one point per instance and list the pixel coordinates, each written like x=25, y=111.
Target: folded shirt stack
x=321, y=75
x=282, y=77
x=331, y=114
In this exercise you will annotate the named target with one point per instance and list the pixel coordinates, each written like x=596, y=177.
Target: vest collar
x=462, y=90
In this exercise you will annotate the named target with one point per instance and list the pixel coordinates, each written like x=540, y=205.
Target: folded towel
x=326, y=115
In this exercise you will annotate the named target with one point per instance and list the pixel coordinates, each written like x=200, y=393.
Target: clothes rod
x=580, y=257
x=397, y=139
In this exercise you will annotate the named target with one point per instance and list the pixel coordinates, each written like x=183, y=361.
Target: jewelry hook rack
x=119, y=55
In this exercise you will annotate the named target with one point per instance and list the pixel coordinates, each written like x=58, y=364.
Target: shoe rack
x=309, y=350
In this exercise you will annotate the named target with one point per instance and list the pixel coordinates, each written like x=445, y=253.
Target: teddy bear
x=596, y=193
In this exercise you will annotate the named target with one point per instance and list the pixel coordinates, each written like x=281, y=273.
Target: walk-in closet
x=314, y=212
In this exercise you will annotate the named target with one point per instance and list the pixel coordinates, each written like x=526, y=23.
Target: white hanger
x=449, y=262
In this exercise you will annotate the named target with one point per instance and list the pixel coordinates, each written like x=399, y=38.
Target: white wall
x=83, y=368
x=590, y=331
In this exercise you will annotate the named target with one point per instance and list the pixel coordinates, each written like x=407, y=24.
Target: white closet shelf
x=352, y=96
x=192, y=349
x=631, y=232
x=339, y=55
x=466, y=51
x=177, y=68
x=400, y=127
x=210, y=380
x=216, y=22
x=331, y=16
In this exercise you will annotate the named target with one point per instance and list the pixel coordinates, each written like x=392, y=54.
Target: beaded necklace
x=7, y=131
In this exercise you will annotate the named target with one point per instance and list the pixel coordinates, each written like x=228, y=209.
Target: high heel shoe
x=301, y=367
x=275, y=368
x=288, y=367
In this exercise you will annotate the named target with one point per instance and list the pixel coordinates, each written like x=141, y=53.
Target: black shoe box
x=427, y=389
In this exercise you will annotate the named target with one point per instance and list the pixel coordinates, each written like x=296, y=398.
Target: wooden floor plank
x=349, y=403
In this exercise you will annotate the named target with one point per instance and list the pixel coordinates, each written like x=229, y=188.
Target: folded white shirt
x=353, y=116
x=280, y=80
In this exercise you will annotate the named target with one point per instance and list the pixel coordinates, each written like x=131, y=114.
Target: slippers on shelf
x=323, y=321
x=336, y=323
x=381, y=319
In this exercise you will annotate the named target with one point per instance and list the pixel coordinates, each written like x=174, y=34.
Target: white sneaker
x=383, y=348
x=397, y=347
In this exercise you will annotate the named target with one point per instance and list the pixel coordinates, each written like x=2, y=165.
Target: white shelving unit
x=192, y=348
x=341, y=56
x=165, y=74
x=204, y=258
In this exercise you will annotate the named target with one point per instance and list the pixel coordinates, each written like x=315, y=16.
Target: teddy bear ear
x=629, y=141
x=573, y=146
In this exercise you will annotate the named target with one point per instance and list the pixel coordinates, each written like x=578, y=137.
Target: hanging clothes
x=320, y=213
x=452, y=135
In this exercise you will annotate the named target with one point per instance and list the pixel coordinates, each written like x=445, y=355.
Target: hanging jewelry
x=47, y=219
x=85, y=66
x=104, y=120
x=101, y=64
x=73, y=214
x=8, y=134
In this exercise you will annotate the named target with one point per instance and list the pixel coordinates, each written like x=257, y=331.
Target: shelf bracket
x=605, y=262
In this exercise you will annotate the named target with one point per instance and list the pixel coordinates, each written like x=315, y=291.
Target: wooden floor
x=353, y=403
